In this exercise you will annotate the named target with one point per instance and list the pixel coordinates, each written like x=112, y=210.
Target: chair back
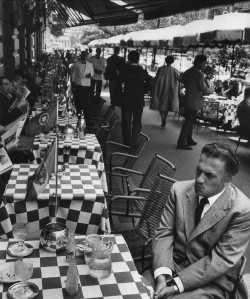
x=155, y=204
x=239, y=286
x=109, y=114
x=210, y=111
x=136, y=150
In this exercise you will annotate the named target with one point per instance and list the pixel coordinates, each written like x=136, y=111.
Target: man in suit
x=115, y=63
x=196, y=88
x=8, y=113
x=81, y=74
x=203, y=232
x=134, y=78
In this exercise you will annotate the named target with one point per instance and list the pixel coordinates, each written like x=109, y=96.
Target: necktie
x=200, y=209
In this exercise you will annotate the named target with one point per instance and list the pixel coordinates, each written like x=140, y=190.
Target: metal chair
x=125, y=207
x=210, y=115
x=124, y=157
x=151, y=214
x=239, y=276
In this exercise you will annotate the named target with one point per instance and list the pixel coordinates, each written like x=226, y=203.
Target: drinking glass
x=23, y=269
x=20, y=232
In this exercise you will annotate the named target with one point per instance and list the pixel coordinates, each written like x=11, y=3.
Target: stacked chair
x=150, y=216
x=128, y=206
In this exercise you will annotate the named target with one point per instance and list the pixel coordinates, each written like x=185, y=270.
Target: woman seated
x=219, y=88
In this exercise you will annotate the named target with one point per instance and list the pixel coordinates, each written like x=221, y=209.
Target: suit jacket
x=208, y=252
x=79, y=73
x=134, y=78
x=7, y=115
x=114, y=63
x=196, y=88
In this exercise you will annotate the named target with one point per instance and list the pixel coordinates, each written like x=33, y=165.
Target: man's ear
x=228, y=178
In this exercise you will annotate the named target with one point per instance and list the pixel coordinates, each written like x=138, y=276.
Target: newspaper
x=5, y=162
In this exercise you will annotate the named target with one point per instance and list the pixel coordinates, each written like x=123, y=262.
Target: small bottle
x=70, y=247
x=82, y=126
x=72, y=278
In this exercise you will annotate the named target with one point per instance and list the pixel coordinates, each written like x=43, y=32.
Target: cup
x=91, y=240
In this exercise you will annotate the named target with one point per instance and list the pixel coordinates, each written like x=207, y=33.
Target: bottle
x=82, y=126
x=72, y=278
x=70, y=247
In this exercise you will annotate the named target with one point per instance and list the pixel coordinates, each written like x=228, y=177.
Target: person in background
x=203, y=233
x=8, y=113
x=115, y=64
x=233, y=90
x=134, y=77
x=219, y=88
x=196, y=88
x=89, y=54
x=81, y=74
x=243, y=114
x=165, y=96
x=99, y=65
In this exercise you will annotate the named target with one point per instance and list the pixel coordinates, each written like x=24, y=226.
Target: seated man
x=204, y=231
x=243, y=114
x=8, y=113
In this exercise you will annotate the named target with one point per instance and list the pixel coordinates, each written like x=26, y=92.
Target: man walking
x=115, y=64
x=196, y=88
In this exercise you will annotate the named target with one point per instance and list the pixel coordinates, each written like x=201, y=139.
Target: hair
x=116, y=50
x=18, y=79
x=169, y=59
x=83, y=54
x=224, y=153
x=247, y=93
x=133, y=56
x=199, y=59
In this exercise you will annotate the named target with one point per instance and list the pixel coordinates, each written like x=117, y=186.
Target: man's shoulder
x=239, y=199
x=183, y=185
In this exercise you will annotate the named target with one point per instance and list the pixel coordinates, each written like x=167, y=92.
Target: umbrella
x=163, y=37
x=97, y=43
x=227, y=28
x=190, y=33
x=114, y=41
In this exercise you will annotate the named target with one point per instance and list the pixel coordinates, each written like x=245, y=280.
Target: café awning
x=119, y=12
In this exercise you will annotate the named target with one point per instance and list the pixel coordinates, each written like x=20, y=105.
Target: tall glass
x=23, y=270
x=20, y=232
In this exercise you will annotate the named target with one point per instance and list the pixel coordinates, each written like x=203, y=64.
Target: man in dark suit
x=196, y=87
x=204, y=231
x=243, y=114
x=115, y=63
x=8, y=113
x=134, y=78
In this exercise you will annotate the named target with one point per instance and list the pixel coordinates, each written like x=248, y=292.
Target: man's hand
x=88, y=75
x=165, y=293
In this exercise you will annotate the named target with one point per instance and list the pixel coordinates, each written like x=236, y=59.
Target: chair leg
x=238, y=143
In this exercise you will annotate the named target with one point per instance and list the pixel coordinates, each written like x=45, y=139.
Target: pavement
x=163, y=142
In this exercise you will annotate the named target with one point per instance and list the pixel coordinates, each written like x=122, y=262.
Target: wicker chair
x=127, y=208
x=151, y=215
x=124, y=157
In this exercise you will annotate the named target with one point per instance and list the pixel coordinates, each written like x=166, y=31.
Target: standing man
x=81, y=74
x=99, y=66
x=203, y=232
x=134, y=78
x=115, y=64
x=196, y=88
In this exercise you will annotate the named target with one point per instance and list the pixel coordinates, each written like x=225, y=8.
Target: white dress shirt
x=167, y=271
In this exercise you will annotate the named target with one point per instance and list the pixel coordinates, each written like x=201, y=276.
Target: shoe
x=191, y=143
x=184, y=147
x=163, y=123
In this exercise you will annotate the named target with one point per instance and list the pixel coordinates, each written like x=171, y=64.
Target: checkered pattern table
x=81, y=202
x=50, y=270
x=62, y=121
x=74, y=151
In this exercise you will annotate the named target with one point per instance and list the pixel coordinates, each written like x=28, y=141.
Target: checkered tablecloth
x=63, y=121
x=50, y=270
x=74, y=151
x=230, y=113
x=81, y=202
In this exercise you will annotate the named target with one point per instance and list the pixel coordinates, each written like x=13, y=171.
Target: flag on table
x=42, y=122
x=39, y=180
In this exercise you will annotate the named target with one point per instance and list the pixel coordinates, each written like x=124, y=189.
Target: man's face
x=211, y=176
x=6, y=86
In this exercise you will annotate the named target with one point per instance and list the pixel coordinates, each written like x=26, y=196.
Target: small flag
x=42, y=122
x=39, y=180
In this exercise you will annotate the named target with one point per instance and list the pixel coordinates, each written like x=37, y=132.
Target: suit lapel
x=214, y=214
x=190, y=204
